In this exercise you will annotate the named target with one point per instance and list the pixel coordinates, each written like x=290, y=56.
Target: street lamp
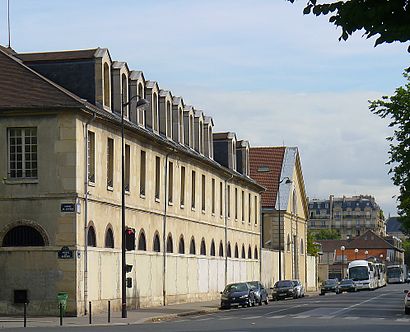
x=342, y=248
x=140, y=103
x=366, y=253
x=288, y=181
x=381, y=257
x=355, y=253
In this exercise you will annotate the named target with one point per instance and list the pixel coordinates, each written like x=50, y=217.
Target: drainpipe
x=226, y=229
x=164, y=227
x=86, y=213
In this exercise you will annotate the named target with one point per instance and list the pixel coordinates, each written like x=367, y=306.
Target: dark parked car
x=329, y=286
x=284, y=289
x=237, y=294
x=261, y=295
x=347, y=285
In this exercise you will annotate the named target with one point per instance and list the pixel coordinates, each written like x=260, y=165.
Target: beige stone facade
x=188, y=246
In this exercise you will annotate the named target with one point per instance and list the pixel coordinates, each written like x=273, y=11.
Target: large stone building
x=349, y=216
x=284, y=209
x=188, y=194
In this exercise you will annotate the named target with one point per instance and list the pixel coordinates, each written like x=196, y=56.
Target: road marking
x=326, y=317
x=402, y=320
x=301, y=316
x=203, y=319
x=225, y=318
x=351, y=318
x=357, y=304
x=284, y=309
x=277, y=316
x=252, y=317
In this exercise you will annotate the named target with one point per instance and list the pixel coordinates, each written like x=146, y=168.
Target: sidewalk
x=135, y=316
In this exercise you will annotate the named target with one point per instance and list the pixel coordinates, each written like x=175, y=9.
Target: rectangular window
x=220, y=198
x=22, y=153
x=193, y=190
x=170, y=182
x=127, y=168
x=203, y=193
x=243, y=206
x=110, y=163
x=213, y=196
x=157, y=177
x=249, y=208
x=256, y=210
x=182, y=200
x=236, y=203
x=229, y=201
x=91, y=156
x=143, y=162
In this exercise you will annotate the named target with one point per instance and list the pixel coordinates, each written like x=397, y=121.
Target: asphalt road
x=378, y=310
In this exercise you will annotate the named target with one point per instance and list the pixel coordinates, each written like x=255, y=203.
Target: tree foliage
x=389, y=20
x=397, y=109
x=406, y=247
x=312, y=248
x=327, y=234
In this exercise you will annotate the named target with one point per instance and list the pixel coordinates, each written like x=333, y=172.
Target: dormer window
x=181, y=125
x=191, y=131
x=201, y=138
x=155, y=112
x=107, y=86
x=169, y=119
x=124, y=94
x=141, y=111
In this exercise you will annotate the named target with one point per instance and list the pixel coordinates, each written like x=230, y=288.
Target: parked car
x=299, y=288
x=329, y=286
x=347, y=285
x=237, y=294
x=261, y=295
x=407, y=302
x=284, y=289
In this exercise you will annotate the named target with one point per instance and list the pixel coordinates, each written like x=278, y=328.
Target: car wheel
x=407, y=311
x=260, y=301
x=266, y=301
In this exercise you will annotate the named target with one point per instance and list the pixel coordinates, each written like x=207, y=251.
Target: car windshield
x=284, y=283
x=330, y=282
x=236, y=288
x=346, y=282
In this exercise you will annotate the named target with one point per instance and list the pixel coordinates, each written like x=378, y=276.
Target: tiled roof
x=369, y=240
x=22, y=87
x=55, y=56
x=266, y=167
x=393, y=225
x=332, y=245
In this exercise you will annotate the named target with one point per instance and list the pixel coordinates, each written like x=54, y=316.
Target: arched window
x=203, y=247
x=192, y=247
x=212, y=252
x=255, y=254
x=249, y=252
x=109, y=238
x=91, y=237
x=288, y=244
x=23, y=236
x=156, y=246
x=181, y=246
x=221, y=249
x=107, y=88
x=142, y=243
x=170, y=244
x=236, y=251
x=302, y=247
x=243, y=251
x=228, y=251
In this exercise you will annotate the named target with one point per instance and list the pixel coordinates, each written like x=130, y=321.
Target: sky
x=259, y=68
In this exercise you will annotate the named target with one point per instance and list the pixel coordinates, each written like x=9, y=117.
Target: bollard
x=109, y=311
x=25, y=314
x=89, y=311
x=61, y=314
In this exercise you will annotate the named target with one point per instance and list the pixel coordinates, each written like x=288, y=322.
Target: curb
x=182, y=314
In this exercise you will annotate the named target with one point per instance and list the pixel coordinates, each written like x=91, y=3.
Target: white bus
x=364, y=274
x=380, y=274
x=396, y=274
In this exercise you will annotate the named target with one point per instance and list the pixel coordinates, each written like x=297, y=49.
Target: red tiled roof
x=21, y=87
x=271, y=159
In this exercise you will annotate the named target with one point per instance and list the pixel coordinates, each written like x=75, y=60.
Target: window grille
x=23, y=153
x=23, y=236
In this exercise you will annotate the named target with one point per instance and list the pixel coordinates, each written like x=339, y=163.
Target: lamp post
x=342, y=248
x=381, y=258
x=280, y=239
x=355, y=253
x=366, y=253
x=140, y=103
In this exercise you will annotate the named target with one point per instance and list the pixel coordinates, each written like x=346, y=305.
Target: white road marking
x=203, y=319
x=357, y=304
x=326, y=317
x=301, y=316
x=403, y=320
x=252, y=317
x=277, y=316
x=351, y=318
x=284, y=309
x=225, y=318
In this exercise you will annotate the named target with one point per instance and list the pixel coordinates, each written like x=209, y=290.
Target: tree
x=327, y=234
x=312, y=247
x=387, y=19
x=406, y=247
x=397, y=108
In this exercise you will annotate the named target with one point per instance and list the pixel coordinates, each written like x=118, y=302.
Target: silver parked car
x=407, y=302
x=261, y=294
x=300, y=290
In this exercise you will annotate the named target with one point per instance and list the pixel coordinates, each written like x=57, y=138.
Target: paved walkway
x=138, y=316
